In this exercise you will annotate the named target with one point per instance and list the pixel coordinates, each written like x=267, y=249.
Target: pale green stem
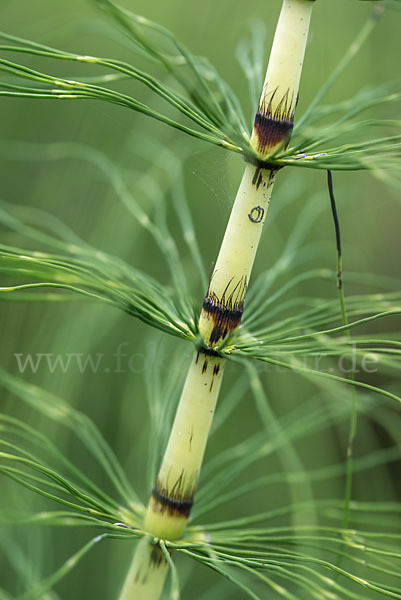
x=147, y=574
x=174, y=489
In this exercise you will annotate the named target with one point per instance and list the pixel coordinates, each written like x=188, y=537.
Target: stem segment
x=223, y=304
x=172, y=496
x=147, y=574
x=173, y=493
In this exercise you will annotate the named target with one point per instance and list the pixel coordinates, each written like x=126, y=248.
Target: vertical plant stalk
x=223, y=304
x=172, y=496
x=353, y=420
x=147, y=574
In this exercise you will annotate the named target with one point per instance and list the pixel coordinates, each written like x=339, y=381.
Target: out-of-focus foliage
x=135, y=225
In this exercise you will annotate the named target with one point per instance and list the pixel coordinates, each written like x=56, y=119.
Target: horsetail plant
x=175, y=486
x=223, y=305
x=219, y=334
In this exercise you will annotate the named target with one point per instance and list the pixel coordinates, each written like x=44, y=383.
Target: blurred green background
x=80, y=196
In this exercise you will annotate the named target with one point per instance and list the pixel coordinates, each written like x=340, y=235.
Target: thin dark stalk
x=353, y=421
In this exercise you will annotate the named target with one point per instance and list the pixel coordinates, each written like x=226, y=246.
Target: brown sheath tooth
x=226, y=318
x=270, y=132
x=176, y=501
x=274, y=126
x=225, y=312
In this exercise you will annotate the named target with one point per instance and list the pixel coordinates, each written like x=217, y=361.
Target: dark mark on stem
x=177, y=501
x=156, y=557
x=206, y=352
x=191, y=438
x=216, y=369
x=262, y=164
x=274, y=126
x=256, y=215
x=226, y=312
x=257, y=177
